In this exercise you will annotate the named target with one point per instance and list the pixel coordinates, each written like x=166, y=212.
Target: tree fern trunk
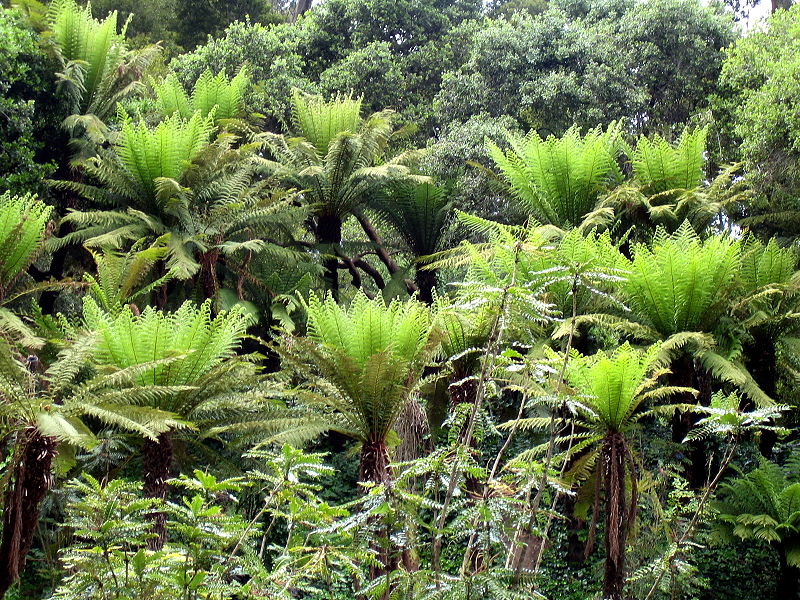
x=374, y=465
x=761, y=361
x=789, y=582
x=685, y=374
x=208, y=273
x=375, y=468
x=426, y=282
x=613, y=473
x=157, y=470
x=32, y=479
x=329, y=234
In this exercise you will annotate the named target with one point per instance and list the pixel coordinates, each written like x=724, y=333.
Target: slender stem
x=492, y=345
x=553, y=433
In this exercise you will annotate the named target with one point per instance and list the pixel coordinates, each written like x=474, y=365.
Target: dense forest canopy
x=399, y=299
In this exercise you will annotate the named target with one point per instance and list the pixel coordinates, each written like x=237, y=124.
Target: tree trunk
x=788, y=584
x=778, y=4
x=374, y=468
x=685, y=374
x=426, y=282
x=157, y=470
x=575, y=545
x=374, y=465
x=208, y=273
x=613, y=473
x=761, y=362
x=32, y=479
x=329, y=235
x=301, y=8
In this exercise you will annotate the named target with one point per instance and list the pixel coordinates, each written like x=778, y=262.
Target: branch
x=380, y=250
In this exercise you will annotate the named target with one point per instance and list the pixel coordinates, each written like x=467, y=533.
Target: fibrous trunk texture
x=426, y=283
x=329, y=235
x=617, y=521
x=31, y=480
x=157, y=470
x=761, y=362
x=686, y=374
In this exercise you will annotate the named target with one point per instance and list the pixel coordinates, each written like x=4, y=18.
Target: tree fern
x=320, y=122
x=659, y=166
x=763, y=505
x=340, y=162
x=611, y=391
x=559, y=180
x=682, y=283
x=23, y=227
x=41, y=412
x=200, y=341
x=211, y=93
x=125, y=278
x=360, y=364
x=97, y=68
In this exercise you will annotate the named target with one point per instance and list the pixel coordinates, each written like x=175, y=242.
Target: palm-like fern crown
x=369, y=356
x=340, y=160
x=763, y=505
x=598, y=265
x=680, y=282
x=194, y=340
x=211, y=93
x=71, y=388
x=164, y=151
x=464, y=334
x=420, y=212
x=123, y=278
x=559, y=180
x=542, y=262
x=96, y=44
x=615, y=384
x=23, y=223
x=320, y=122
x=766, y=265
x=145, y=162
x=370, y=327
x=659, y=166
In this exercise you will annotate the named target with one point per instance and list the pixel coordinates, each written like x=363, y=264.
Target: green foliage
x=273, y=59
x=23, y=227
x=143, y=161
x=763, y=505
x=216, y=209
x=340, y=157
x=69, y=391
x=420, y=213
x=97, y=69
x=660, y=166
x=617, y=384
x=189, y=342
x=564, y=66
x=682, y=283
x=125, y=278
x=28, y=105
x=320, y=122
x=211, y=93
x=559, y=180
x=759, y=98
x=362, y=362
x=109, y=557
